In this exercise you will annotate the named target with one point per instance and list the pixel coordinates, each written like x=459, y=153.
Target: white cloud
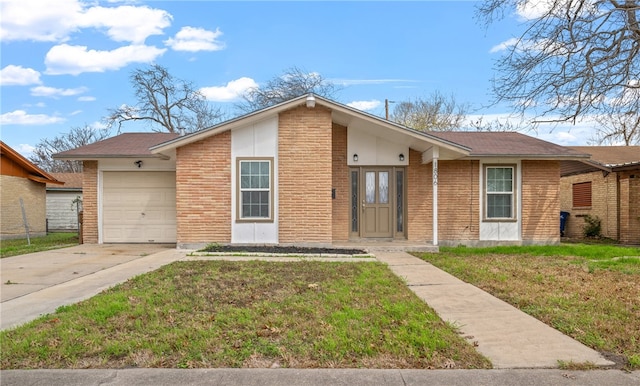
x=365, y=105
x=233, y=90
x=25, y=149
x=38, y=20
x=195, y=39
x=74, y=60
x=504, y=45
x=127, y=23
x=53, y=92
x=45, y=20
x=13, y=75
x=76, y=112
x=20, y=117
x=86, y=98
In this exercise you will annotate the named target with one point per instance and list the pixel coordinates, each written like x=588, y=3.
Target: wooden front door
x=377, y=202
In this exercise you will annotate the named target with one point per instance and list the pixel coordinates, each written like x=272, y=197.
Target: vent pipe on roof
x=181, y=130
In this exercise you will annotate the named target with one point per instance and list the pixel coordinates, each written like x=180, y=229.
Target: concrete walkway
x=67, y=276
x=507, y=336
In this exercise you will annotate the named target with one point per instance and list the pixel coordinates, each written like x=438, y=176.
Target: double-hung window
x=255, y=198
x=500, y=192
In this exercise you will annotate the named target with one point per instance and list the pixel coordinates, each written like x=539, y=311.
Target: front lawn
x=51, y=241
x=246, y=314
x=589, y=292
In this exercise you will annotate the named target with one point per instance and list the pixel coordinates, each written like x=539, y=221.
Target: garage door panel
x=139, y=207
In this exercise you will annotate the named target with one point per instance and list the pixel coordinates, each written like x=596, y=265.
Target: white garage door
x=139, y=207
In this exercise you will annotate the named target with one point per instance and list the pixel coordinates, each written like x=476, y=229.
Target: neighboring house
x=311, y=171
x=606, y=186
x=22, y=195
x=64, y=202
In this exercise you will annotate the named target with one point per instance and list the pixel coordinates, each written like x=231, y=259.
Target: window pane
x=354, y=201
x=499, y=206
x=383, y=186
x=370, y=186
x=255, y=182
x=399, y=199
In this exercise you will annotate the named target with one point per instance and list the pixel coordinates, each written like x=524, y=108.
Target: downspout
x=434, y=165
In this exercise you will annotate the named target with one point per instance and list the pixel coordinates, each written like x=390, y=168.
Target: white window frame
x=240, y=190
x=513, y=216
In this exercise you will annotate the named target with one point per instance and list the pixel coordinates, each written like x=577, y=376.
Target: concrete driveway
x=40, y=282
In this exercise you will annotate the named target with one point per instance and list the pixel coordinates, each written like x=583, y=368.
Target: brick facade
x=33, y=196
x=458, y=200
x=90, y=202
x=305, y=175
x=340, y=182
x=203, y=191
x=540, y=201
x=629, y=208
x=419, y=199
x=604, y=203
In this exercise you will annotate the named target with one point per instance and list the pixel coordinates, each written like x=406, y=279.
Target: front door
x=377, y=202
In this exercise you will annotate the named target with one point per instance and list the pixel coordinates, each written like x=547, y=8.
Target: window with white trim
x=499, y=192
x=255, y=198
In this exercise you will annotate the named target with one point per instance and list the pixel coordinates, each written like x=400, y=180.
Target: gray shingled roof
x=611, y=156
x=123, y=145
x=505, y=144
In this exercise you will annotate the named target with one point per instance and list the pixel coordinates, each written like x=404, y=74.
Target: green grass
x=51, y=241
x=246, y=314
x=589, y=292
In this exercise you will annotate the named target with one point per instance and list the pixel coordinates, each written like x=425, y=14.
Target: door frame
x=398, y=225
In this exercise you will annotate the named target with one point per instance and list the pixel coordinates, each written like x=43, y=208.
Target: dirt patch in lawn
x=276, y=249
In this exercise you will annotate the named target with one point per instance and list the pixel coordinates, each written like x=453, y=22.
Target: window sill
x=500, y=220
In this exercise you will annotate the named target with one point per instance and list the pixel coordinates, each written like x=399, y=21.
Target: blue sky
x=64, y=63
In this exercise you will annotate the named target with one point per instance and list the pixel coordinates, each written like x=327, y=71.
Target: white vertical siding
x=257, y=140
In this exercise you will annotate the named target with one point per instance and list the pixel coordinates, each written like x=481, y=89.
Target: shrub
x=592, y=226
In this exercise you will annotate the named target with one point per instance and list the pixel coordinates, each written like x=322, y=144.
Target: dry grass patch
x=246, y=314
x=593, y=298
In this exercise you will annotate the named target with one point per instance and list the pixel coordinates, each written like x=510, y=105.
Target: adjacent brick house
x=22, y=185
x=607, y=186
x=313, y=171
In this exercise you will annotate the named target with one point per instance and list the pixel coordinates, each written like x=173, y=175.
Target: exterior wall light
x=401, y=157
x=138, y=163
x=355, y=158
x=311, y=101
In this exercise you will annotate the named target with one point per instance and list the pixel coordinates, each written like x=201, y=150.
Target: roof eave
x=301, y=100
x=547, y=157
x=94, y=157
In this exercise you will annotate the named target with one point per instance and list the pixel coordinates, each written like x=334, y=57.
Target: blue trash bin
x=563, y=221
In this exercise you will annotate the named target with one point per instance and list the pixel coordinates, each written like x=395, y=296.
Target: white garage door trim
x=138, y=207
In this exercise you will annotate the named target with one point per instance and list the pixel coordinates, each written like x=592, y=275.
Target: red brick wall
x=90, y=202
x=604, y=203
x=305, y=175
x=203, y=190
x=458, y=200
x=540, y=201
x=419, y=199
x=340, y=181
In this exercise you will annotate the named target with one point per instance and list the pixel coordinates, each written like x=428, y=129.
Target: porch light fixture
x=138, y=163
x=401, y=157
x=311, y=101
x=355, y=158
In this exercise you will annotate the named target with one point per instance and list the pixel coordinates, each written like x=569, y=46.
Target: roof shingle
x=123, y=145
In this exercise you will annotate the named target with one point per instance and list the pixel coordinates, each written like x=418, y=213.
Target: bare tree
x=292, y=83
x=76, y=137
x=575, y=57
x=496, y=125
x=437, y=113
x=167, y=103
x=616, y=129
